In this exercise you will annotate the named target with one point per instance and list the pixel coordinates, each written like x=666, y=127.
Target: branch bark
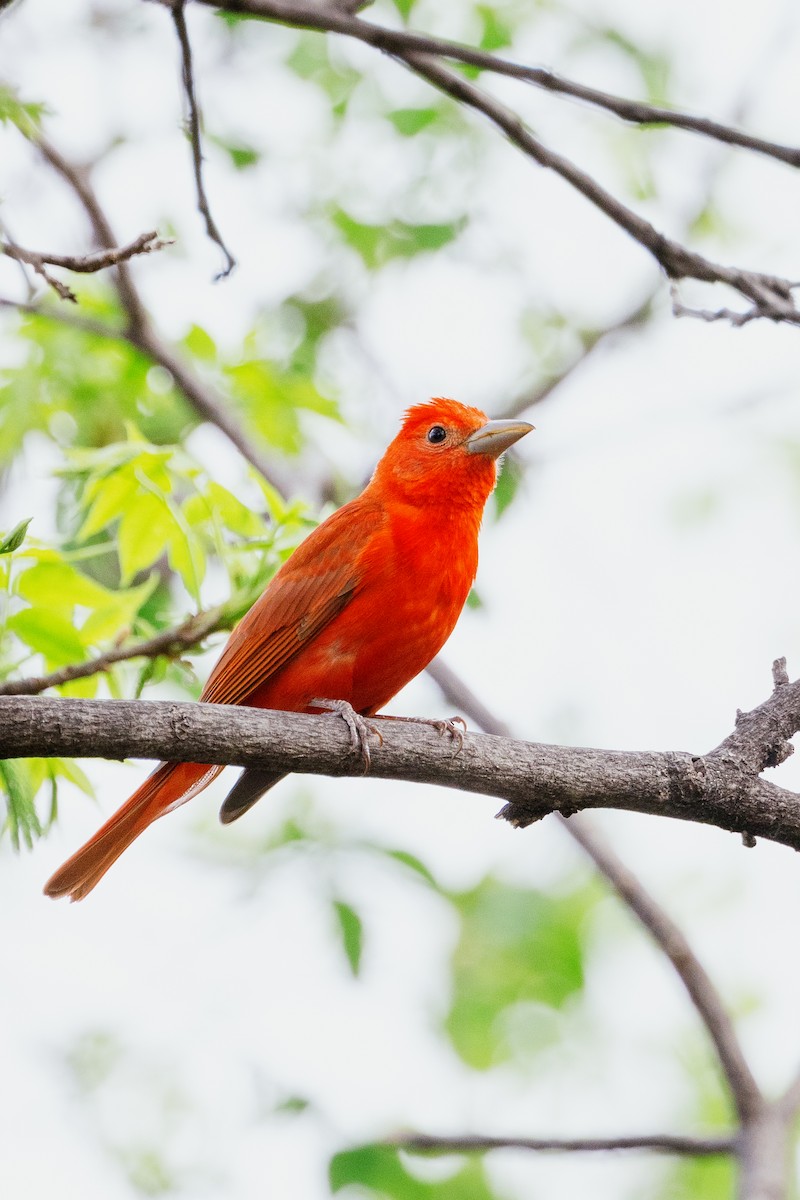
x=721, y=788
x=172, y=642
x=664, y=1143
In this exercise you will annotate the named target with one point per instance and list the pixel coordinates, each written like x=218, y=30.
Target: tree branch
x=172, y=642
x=402, y=42
x=665, y=1143
x=85, y=264
x=534, y=779
x=769, y=296
x=193, y=129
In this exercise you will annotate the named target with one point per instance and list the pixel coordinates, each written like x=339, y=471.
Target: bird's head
x=446, y=451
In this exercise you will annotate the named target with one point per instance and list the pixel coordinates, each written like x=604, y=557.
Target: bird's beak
x=496, y=436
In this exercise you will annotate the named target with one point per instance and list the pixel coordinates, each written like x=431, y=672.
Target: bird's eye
x=436, y=434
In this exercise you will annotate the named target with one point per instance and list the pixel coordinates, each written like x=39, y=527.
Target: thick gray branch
x=534, y=779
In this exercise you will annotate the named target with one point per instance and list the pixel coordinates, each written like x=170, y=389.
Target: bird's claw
x=441, y=727
x=450, y=727
x=358, y=728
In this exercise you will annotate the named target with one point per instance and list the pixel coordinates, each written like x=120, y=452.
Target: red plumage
x=359, y=609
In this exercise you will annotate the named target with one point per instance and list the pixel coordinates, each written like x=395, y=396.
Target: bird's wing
x=315, y=584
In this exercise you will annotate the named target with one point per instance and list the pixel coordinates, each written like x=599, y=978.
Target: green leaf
x=384, y=1173
x=508, y=482
x=379, y=244
x=111, y=497
x=69, y=769
x=200, y=344
x=12, y=541
x=405, y=7
x=241, y=156
x=48, y=633
x=410, y=121
x=57, y=584
x=145, y=532
x=414, y=864
x=25, y=114
x=519, y=950
x=293, y=1104
x=351, y=929
x=186, y=557
x=22, y=821
x=496, y=34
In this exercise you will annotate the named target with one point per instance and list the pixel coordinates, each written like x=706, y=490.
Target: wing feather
x=311, y=588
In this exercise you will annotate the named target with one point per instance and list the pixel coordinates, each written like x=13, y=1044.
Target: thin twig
x=78, y=180
x=66, y=316
x=664, y=1143
x=171, y=643
x=179, y=20
x=590, y=342
x=30, y=287
x=87, y=264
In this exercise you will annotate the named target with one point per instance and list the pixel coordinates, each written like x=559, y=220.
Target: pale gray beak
x=496, y=436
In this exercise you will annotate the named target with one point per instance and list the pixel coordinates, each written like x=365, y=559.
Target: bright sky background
x=635, y=595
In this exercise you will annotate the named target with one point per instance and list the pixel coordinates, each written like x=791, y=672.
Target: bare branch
x=768, y=296
x=171, y=643
x=400, y=43
x=664, y=1143
x=193, y=129
x=86, y=264
x=591, y=341
x=66, y=316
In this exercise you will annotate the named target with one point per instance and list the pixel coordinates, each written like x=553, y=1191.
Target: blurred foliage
x=382, y=1171
x=518, y=960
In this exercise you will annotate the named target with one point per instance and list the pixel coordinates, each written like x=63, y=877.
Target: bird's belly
x=363, y=657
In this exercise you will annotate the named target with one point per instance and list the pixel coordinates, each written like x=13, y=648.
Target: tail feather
x=169, y=786
x=249, y=787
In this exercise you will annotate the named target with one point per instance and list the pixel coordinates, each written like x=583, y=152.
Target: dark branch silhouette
x=193, y=129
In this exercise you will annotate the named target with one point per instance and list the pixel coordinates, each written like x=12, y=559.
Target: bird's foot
x=449, y=727
x=358, y=728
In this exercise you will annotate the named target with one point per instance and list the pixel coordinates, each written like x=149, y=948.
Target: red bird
x=360, y=608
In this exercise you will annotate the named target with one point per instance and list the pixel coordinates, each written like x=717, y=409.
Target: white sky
x=611, y=619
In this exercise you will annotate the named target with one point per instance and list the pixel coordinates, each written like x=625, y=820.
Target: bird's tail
x=169, y=786
x=249, y=787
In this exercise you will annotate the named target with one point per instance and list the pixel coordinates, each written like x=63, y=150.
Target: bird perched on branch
x=359, y=609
